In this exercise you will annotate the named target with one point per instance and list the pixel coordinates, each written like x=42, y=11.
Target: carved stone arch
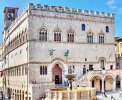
x=96, y=82
x=90, y=31
x=89, y=34
x=109, y=82
x=97, y=76
x=99, y=34
x=70, y=35
x=70, y=30
x=111, y=75
x=59, y=59
x=57, y=34
x=90, y=37
x=102, y=58
x=44, y=29
x=57, y=29
x=57, y=69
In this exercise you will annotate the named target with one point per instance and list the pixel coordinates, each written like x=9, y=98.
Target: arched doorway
x=57, y=74
x=97, y=83
x=118, y=82
x=108, y=83
x=84, y=69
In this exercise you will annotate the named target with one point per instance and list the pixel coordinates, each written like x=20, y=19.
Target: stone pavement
x=117, y=95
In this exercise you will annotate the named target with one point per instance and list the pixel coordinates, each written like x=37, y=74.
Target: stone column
x=76, y=95
x=102, y=85
x=90, y=83
x=56, y=95
x=114, y=84
x=60, y=96
x=69, y=95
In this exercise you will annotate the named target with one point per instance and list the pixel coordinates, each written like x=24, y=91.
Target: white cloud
x=111, y=4
x=115, y=5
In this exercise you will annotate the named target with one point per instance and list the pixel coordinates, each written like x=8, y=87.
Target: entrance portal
x=57, y=74
x=118, y=82
x=108, y=83
x=56, y=79
x=97, y=83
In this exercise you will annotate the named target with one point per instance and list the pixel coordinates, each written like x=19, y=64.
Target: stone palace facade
x=44, y=42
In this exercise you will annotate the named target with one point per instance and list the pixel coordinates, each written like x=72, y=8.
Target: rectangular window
x=90, y=67
x=43, y=70
x=40, y=70
x=111, y=67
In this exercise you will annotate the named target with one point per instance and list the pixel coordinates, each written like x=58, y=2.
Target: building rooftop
x=63, y=9
x=118, y=38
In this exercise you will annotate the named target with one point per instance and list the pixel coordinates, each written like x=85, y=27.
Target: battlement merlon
x=62, y=9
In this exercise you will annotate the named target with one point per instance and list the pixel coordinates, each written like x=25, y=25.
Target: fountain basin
x=70, y=76
x=78, y=93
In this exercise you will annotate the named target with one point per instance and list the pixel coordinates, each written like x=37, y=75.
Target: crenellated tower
x=10, y=14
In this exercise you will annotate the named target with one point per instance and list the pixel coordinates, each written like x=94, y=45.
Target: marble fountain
x=71, y=93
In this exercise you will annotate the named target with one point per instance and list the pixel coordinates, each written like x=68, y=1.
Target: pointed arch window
x=83, y=27
x=43, y=34
x=89, y=38
x=57, y=35
x=107, y=29
x=101, y=38
x=102, y=64
x=70, y=36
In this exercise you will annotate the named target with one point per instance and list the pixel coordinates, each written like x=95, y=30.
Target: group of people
x=66, y=83
x=112, y=98
x=2, y=97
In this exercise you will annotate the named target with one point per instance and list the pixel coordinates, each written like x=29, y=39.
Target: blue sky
x=111, y=6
